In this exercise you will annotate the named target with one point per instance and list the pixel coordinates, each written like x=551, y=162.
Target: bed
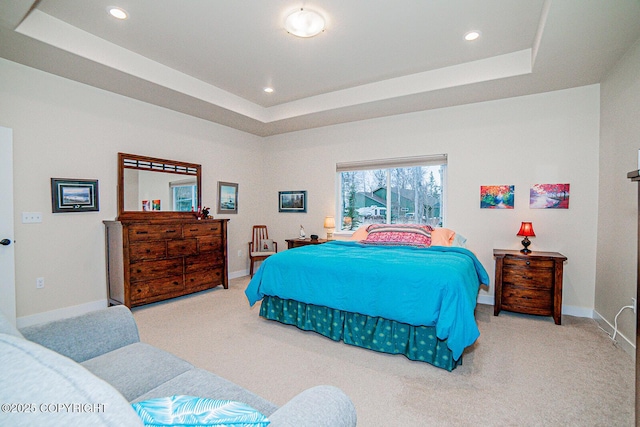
x=406, y=297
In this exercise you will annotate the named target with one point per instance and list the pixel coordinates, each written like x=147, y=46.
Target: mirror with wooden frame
x=155, y=188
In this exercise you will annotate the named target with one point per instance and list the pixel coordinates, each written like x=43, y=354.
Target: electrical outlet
x=239, y=252
x=40, y=283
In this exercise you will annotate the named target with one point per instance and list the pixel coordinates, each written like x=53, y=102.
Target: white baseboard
x=77, y=310
x=240, y=273
x=486, y=299
x=569, y=310
x=622, y=341
x=60, y=313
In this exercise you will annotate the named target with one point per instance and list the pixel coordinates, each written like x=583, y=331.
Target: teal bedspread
x=436, y=286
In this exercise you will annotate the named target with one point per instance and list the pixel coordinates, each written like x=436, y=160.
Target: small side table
x=529, y=283
x=295, y=243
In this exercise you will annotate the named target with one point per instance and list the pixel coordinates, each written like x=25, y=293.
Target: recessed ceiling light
x=268, y=89
x=304, y=23
x=471, y=36
x=118, y=13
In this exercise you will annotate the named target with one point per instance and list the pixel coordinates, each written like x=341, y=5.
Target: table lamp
x=526, y=230
x=329, y=224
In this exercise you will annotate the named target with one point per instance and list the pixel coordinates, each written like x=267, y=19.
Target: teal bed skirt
x=374, y=333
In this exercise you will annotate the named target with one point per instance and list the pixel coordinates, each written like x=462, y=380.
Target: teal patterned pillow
x=196, y=411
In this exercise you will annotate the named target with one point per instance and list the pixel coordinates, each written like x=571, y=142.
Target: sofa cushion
x=201, y=383
x=47, y=388
x=337, y=410
x=86, y=336
x=137, y=368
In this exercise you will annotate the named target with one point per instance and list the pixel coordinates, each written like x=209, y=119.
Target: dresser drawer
x=181, y=247
x=205, y=261
x=209, y=244
x=526, y=300
x=139, y=232
x=205, y=278
x=534, y=277
x=204, y=228
x=147, y=250
x=528, y=262
x=145, y=270
x=152, y=288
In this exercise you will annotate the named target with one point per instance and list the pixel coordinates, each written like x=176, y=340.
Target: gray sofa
x=87, y=370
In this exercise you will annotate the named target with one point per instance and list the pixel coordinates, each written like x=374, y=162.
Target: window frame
x=388, y=165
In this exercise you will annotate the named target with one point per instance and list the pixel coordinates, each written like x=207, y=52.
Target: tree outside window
x=402, y=195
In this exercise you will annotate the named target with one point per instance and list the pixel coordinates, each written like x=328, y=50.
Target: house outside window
x=392, y=191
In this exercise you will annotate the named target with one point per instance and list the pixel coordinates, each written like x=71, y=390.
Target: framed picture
x=227, y=198
x=74, y=195
x=496, y=196
x=292, y=201
x=549, y=196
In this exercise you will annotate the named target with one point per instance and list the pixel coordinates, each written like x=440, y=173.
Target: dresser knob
x=528, y=262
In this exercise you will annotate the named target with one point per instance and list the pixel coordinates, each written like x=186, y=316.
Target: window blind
x=398, y=162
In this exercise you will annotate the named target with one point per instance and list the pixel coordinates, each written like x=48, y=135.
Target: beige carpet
x=522, y=371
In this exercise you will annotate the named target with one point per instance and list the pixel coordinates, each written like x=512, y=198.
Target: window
x=184, y=195
x=393, y=191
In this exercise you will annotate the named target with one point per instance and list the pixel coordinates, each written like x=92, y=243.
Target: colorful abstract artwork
x=496, y=196
x=549, y=196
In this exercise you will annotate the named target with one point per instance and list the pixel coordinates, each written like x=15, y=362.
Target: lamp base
x=526, y=242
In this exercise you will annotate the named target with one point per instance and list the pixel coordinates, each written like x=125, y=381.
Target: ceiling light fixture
x=304, y=23
x=471, y=36
x=268, y=89
x=118, y=13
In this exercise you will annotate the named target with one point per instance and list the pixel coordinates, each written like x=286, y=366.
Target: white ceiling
x=212, y=59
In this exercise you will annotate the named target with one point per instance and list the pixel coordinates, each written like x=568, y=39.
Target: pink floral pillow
x=399, y=234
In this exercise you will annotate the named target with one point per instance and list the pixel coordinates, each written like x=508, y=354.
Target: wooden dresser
x=529, y=283
x=157, y=259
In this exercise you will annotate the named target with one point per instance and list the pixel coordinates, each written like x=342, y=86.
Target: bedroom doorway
x=7, y=252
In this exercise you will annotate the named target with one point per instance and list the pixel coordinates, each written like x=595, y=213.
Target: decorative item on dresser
x=156, y=255
x=529, y=283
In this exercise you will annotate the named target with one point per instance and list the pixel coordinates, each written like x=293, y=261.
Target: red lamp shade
x=526, y=229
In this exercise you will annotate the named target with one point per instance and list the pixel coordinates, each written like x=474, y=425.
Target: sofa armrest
x=320, y=406
x=87, y=336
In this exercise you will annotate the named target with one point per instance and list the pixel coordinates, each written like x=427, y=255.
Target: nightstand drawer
x=518, y=298
x=534, y=277
x=528, y=262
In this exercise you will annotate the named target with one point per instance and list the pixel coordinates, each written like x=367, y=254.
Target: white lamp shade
x=329, y=222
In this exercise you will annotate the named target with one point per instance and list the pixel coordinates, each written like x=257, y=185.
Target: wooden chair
x=256, y=251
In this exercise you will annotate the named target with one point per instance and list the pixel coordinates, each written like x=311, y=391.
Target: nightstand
x=294, y=243
x=529, y=283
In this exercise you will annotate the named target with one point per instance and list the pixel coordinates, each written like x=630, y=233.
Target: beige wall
x=618, y=208
x=539, y=139
x=64, y=129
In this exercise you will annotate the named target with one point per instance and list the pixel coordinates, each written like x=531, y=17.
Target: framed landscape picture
x=292, y=201
x=549, y=196
x=227, y=198
x=74, y=195
x=496, y=196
